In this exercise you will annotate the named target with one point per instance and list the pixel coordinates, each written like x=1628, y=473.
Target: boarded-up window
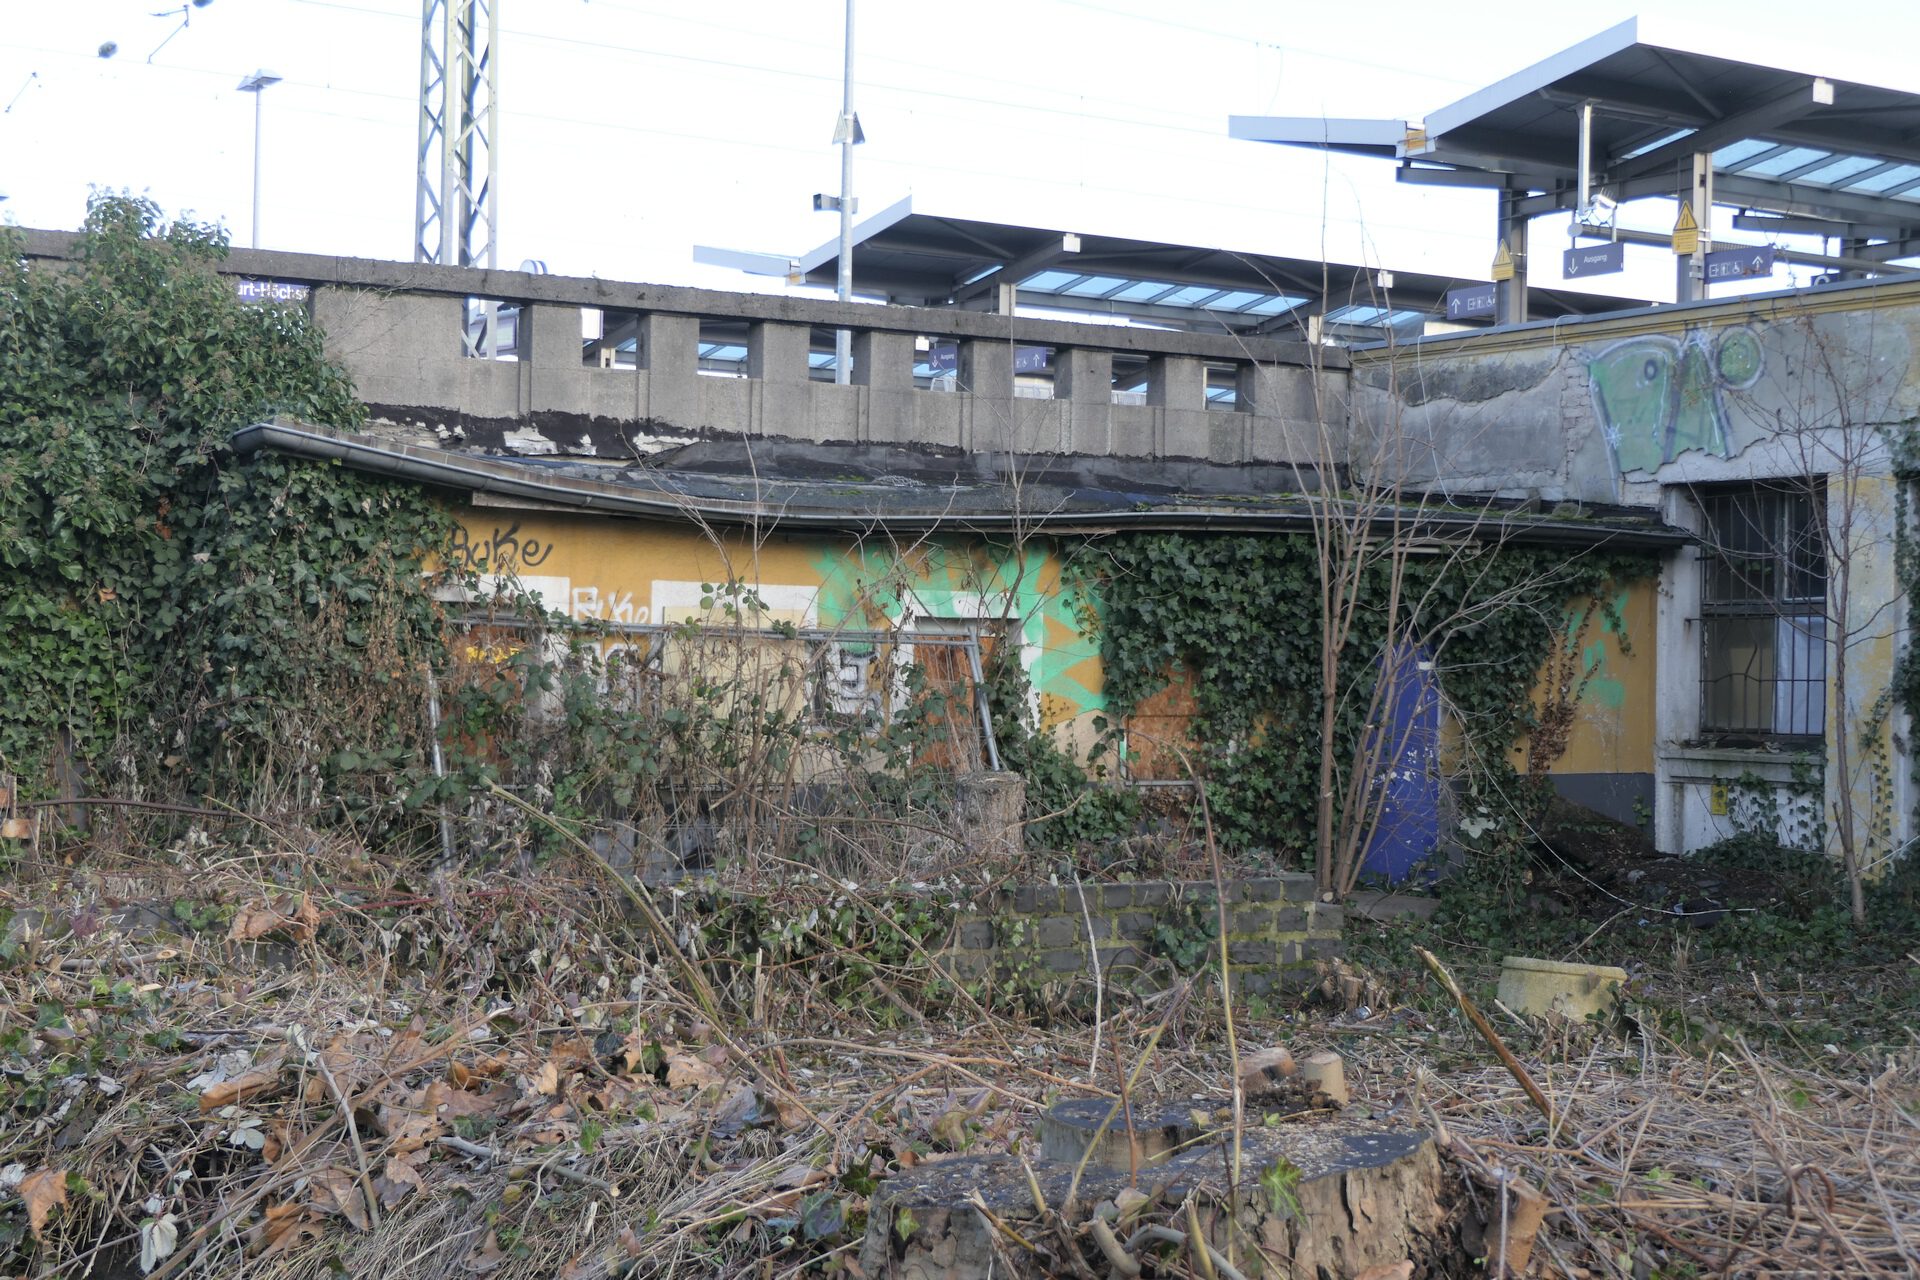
x=946, y=666
x=1160, y=728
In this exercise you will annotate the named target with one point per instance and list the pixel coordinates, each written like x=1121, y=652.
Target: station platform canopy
x=1660, y=111
x=926, y=259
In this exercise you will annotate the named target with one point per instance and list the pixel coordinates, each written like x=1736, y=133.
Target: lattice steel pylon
x=456, y=200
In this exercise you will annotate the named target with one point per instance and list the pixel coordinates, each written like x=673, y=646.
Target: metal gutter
x=509, y=479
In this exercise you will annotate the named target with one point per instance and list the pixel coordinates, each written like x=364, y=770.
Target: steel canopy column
x=1690, y=269
x=1510, y=300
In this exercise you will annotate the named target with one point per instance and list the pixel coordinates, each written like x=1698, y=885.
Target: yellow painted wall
x=1613, y=731
x=636, y=571
x=639, y=571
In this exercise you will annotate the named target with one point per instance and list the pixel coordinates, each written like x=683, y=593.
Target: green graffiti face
x=1658, y=397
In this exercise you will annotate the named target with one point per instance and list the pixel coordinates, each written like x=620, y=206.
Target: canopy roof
x=1817, y=154
x=927, y=259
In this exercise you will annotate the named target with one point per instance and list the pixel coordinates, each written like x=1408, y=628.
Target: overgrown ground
x=259, y=1050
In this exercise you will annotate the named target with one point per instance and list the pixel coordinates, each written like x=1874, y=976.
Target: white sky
x=633, y=129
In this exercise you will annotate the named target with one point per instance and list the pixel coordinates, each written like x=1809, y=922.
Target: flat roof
x=928, y=259
x=1823, y=154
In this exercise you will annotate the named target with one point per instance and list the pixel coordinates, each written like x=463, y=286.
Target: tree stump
x=988, y=809
x=1339, y=1194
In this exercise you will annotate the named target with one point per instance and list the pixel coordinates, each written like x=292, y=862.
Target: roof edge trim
x=487, y=475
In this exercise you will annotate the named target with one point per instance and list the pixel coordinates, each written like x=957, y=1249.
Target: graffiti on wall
x=501, y=551
x=1050, y=620
x=1659, y=396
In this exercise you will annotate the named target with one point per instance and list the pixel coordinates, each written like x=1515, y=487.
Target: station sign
x=945, y=358
x=1475, y=302
x=270, y=291
x=1735, y=264
x=1593, y=260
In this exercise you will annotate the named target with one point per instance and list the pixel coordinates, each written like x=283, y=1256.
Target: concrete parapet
x=397, y=329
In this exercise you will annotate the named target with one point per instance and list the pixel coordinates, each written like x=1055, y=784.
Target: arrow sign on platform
x=1734, y=264
x=1475, y=302
x=1593, y=260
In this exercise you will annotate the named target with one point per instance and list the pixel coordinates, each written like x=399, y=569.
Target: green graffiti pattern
x=1608, y=690
x=1658, y=397
x=863, y=587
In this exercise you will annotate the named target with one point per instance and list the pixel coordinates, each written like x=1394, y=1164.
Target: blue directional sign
x=1734, y=264
x=1475, y=302
x=945, y=358
x=1593, y=259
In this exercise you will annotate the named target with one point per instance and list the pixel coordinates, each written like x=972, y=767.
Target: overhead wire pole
x=846, y=133
x=456, y=197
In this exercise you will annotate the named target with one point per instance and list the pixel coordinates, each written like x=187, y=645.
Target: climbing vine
x=178, y=614
x=1235, y=615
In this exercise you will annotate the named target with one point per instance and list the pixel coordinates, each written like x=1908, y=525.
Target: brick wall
x=1275, y=930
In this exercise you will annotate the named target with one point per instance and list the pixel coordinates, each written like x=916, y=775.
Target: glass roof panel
x=1238, y=300
x=1894, y=177
x=1735, y=152
x=1794, y=158
x=1274, y=306
x=1143, y=290
x=1188, y=296
x=1356, y=314
x=1837, y=173
x=1645, y=147
x=1049, y=281
x=1094, y=286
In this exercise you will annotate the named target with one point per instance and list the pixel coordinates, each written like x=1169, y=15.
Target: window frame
x=1774, y=567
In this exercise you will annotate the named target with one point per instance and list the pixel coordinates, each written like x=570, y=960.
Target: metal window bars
x=1763, y=611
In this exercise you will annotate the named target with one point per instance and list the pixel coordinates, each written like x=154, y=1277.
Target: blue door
x=1407, y=786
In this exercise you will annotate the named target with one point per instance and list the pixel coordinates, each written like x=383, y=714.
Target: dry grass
x=1670, y=1161
x=533, y=1093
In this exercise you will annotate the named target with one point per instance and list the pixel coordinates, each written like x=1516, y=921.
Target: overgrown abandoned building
x=645, y=456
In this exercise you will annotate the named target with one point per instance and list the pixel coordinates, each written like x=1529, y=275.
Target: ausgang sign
x=1593, y=259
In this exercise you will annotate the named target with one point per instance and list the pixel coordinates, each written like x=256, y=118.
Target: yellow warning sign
x=1717, y=800
x=1686, y=231
x=1503, y=264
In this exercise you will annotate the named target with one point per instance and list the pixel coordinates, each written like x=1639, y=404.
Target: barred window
x=1763, y=610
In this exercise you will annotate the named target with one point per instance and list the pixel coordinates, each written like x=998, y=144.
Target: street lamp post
x=847, y=133
x=255, y=84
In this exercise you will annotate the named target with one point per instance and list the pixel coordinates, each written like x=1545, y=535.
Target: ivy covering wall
x=1239, y=615
x=183, y=619
x=174, y=614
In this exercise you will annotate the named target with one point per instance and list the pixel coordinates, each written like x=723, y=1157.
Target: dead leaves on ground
x=336, y=1190
x=294, y=916
x=44, y=1190
x=511, y=1102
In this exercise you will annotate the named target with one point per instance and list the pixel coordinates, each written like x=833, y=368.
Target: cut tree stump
x=1367, y=1193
